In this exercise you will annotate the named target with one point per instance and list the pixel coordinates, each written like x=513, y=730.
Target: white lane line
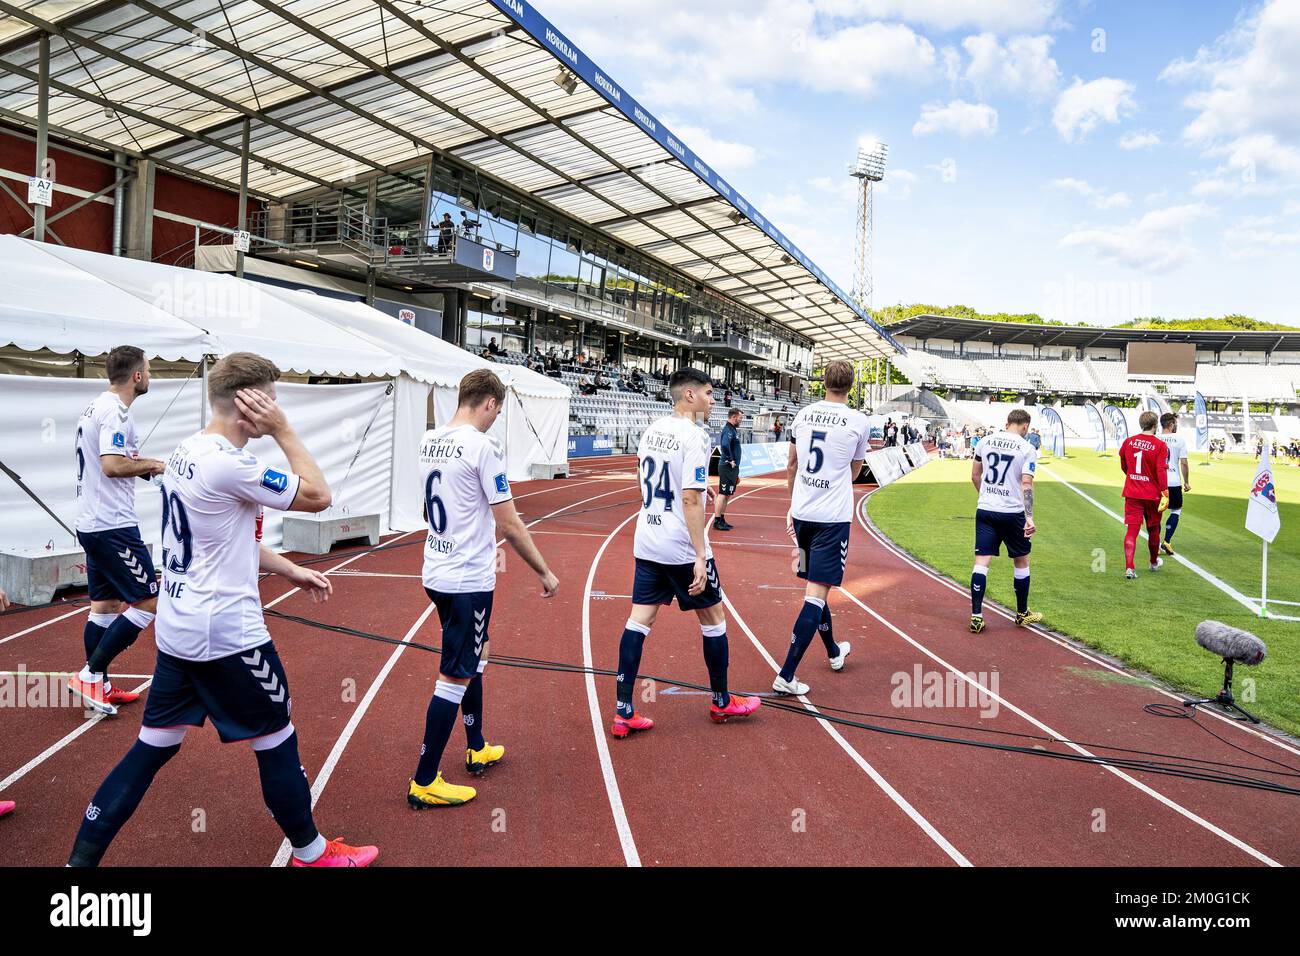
x=1223, y=586
x=896, y=551
x=926, y=826
x=981, y=689
x=630, y=855
x=336, y=752
x=903, y=804
x=54, y=748
x=53, y=620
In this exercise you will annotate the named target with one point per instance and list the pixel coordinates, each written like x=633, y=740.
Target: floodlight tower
x=870, y=168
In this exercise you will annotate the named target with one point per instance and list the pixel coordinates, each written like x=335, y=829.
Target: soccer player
x=728, y=467
x=1144, y=459
x=673, y=557
x=1003, y=473
x=119, y=568
x=828, y=443
x=1179, y=480
x=215, y=656
x=466, y=497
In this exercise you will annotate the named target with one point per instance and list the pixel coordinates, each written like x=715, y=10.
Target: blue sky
x=1090, y=161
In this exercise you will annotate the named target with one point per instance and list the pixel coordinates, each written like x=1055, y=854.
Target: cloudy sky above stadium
x=1089, y=161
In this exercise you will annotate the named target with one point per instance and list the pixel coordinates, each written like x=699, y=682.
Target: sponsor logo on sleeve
x=702, y=473
x=503, y=486
x=119, y=439
x=1032, y=466
x=276, y=481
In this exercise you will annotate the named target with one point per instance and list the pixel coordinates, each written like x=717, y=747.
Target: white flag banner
x=1262, y=517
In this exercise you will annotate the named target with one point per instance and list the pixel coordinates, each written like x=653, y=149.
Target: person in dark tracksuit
x=728, y=467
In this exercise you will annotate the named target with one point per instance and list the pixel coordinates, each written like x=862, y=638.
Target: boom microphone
x=1235, y=646
x=1230, y=643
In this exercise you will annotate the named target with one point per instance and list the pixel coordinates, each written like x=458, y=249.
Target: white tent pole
x=1263, y=590
x=203, y=391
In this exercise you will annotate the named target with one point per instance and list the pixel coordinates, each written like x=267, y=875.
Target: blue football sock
x=827, y=633
x=116, y=799
x=629, y=664
x=715, y=659
x=286, y=791
x=1021, y=582
x=978, y=579
x=1171, y=525
x=93, y=633
x=805, y=626
x=120, y=635
x=438, y=721
x=471, y=713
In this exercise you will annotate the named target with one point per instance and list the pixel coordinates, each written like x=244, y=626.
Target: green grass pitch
x=1078, y=567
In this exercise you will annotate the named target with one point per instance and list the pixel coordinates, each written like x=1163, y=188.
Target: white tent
x=69, y=300
x=532, y=431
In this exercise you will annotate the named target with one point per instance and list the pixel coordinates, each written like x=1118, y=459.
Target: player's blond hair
x=1147, y=421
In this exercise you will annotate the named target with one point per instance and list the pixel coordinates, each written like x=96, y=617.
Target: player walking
x=1144, y=459
x=466, y=496
x=1179, y=479
x=215, y=656
x=673, y=558
x=1003, y=474
x=828, y=443
x=728, y=468
x=119, y=568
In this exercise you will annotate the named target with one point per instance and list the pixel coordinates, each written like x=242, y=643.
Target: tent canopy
x=47, y=304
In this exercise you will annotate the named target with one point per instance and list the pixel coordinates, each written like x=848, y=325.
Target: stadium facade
x=462, y=166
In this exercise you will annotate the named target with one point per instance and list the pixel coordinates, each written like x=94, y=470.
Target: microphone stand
x=1224, y=698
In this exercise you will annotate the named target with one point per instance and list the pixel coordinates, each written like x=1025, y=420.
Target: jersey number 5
x=816, y=456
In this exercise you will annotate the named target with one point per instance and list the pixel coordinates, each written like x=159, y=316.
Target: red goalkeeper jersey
x=1145, y=460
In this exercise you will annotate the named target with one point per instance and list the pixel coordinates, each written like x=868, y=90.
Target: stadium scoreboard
x=1167, y=360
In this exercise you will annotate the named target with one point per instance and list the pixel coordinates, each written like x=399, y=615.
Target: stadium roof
x=1081, y=336
x=331, y=88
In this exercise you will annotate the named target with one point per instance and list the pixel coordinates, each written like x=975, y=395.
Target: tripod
x=1224, y=698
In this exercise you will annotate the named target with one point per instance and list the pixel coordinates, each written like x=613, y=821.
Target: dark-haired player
x=1003, y=474
x=466, y=498
x=1144, y=459
x=828, y=443
x=729, y=452
x=673, y=558
x=119, y=568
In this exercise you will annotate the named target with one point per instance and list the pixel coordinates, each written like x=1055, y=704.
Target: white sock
x=88, y=677
x=312, y=852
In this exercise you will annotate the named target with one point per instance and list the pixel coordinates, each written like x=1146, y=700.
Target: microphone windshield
x=1230, y=643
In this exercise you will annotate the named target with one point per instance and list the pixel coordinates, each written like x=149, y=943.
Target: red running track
x=780, y=788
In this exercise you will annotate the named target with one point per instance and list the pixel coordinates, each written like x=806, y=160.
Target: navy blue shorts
x=995, y=528
x=728, y=478
x=465, y=619
x=118, y=565
x=823, y=550
x=245, y=694
x=657, y=583
x=1175, y=497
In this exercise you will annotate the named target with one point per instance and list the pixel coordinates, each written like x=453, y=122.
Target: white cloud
x=960, y=117
x=1095, y=194
x=1254, y=236
x=1139, y=140
x=1081, y=106
x=1236, y=187
x=1021, y=65
x=1157, y=242
x=1003, y=16
x=1246, y=110
x=718, y=153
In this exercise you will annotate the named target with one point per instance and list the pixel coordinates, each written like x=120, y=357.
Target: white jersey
x=1006, y=457
x=105, y=428
x=1177, y=452
x=673, y=457
x=464, y=476
x=213, y=495
x=828, y=437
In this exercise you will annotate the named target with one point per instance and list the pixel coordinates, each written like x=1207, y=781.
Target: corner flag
x=1262, y=517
